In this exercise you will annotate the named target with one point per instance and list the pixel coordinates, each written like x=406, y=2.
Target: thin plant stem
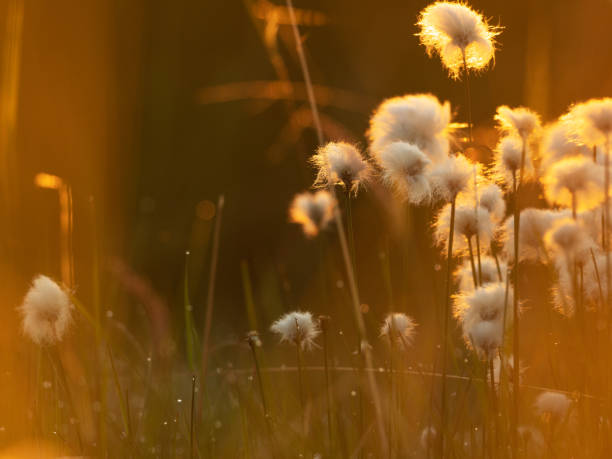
x=515, y=313
x=301, y=387
x=324, y=321
x=339, y=226
x=262, y=393
x=468, y=95
x=494, y=405
x=211, y=294
x=192, y=426
x=445, y=319
x=471, y=252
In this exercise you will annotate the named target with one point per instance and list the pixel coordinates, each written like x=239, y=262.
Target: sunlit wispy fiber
x=399, y=329
x=552, y=404
x=575, y=182
x=405, y=167
x=298, y=328
x=468, y=223
x=46, y=311
x=486, y=303
x=451, y=177
x=569, y=238
x=419, y=119
x=314, y=211
x=340, y=163
x=535, y=223
x=559, y=141
x=519, y=121
x=508, y=160
x=491, y=198
x=459, y=35
x=489, y=273
x=592, y=121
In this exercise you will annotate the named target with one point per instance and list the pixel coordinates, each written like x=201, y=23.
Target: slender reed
x=446, y=318
x=324, y=324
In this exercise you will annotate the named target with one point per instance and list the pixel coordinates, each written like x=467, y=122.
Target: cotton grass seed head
x=535, y=223
x=561, y=141
x=469, y=221
x=459, y=35
x=574, y=181
x=313, y=211
x=568, y=237
x=399, y=328
x=552, y=405
x=340, y=163
x=298, y=328
x=46, y=312
x=491, y=198
x=489, y=272
x=419, y=119
x=519, y=121
x=486, y=303
x=451, y=177
x=404, y=167
x=593, y=121
x=485, y=337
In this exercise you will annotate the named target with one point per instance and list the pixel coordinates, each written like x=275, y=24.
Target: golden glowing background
x=155, y=108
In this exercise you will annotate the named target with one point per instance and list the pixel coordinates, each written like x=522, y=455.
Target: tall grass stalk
x=340, y=229
x=324, y=324
x=445, y=319
x=211, y=295
x=262, y=393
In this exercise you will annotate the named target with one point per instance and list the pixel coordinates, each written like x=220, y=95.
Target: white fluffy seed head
x=535, y=223
x=489, y=271
x=298, y=328
x=575, y=181
x=485, y=304
x=340, y=163
x=508, y=158
x=405, y=168
x=561, y=141
x=459, y=35
x=491, y=198
x=519, y=121
x=419, y=119
x=568, y=238
x=451, y=177
x=552, y=404
x=592, y=121
x=564, y=301
x=485, y=337
x=313, y=211
x=46, y=312
x=468, y=222
x=399, y=328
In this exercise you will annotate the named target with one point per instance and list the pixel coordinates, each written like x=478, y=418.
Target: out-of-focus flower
x=298, y=328
x=313, y=211
x=46, y=312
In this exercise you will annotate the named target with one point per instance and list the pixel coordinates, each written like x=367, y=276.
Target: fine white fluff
x=519, y=121
x=564, y=301
x=535, y=223
x=340, y=163
x=468, y=221
x=552, y=404
x=507, y=160
x=592, y=120
x=419, y=119
x=400, y=328
x=491, y=198
x=313, y=211
x=481, y=314
x=405, y=168
x=298, y=328
x=46, y=312
x=489, y=271
x=574, y=181
x=568, y=237
x=595, y=283
x=560, y=141
x=459, y=35
x=451, y=177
